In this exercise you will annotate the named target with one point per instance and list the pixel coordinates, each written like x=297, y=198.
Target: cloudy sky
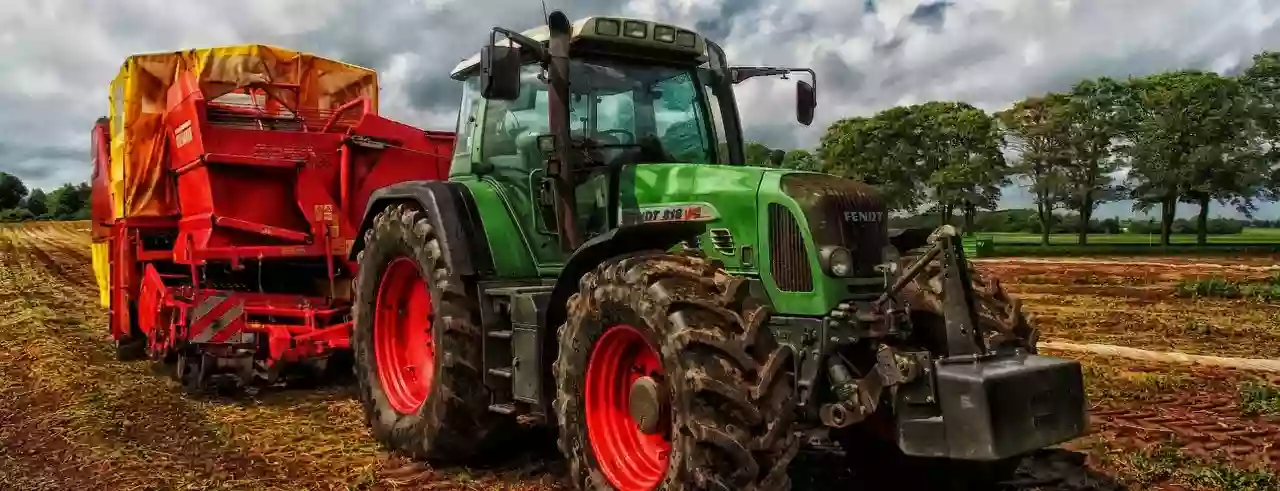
x=57, y=56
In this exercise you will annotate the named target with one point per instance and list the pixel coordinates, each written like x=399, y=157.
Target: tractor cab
x=630, y=92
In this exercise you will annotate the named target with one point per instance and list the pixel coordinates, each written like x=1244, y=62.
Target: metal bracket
x=963, y=340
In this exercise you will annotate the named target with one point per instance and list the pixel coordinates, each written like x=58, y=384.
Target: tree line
x=1028, y=222
x=1186, y=136
x=67, y=202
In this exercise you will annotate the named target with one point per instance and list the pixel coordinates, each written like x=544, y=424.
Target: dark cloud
x=930, y=14
x=57, y=56
x=775, y=134
x=836, y=74
x=720, y=26
x=40, y=166
x=430, y=91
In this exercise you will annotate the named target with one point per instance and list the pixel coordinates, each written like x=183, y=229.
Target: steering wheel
x=630, y=137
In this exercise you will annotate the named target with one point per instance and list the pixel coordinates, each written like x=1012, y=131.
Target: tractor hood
x=771, y=224
x=751, y=211
x=722, y=196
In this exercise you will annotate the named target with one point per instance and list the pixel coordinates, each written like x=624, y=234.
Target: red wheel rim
x=630, y=459
x=403, y=347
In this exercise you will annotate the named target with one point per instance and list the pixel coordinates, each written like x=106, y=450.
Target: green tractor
x=601, y=261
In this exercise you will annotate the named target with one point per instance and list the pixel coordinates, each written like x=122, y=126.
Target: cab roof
x=610, y=29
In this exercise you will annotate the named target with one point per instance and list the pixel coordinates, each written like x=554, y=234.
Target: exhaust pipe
x=558, y=111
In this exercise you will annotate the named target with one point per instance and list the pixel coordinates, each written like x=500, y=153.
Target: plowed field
x=71, y=417
x=1164, y=425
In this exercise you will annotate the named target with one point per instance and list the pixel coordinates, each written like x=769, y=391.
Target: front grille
x=788, y=257
x=843, y=212
x=722, y=241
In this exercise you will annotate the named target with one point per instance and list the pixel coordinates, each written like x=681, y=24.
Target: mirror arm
x=740, y=74
x=524, y=42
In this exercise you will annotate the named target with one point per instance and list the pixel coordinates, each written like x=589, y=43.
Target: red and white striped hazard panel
x=219, y=319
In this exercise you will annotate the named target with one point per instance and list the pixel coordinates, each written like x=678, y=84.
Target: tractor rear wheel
x=669, y=378
x=417, y=345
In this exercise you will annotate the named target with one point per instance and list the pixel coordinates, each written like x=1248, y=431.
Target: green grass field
x=1248, y=236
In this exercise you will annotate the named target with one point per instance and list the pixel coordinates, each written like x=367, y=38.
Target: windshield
x=618, y=110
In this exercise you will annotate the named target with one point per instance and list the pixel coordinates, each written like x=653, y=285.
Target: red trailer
x=229, y=184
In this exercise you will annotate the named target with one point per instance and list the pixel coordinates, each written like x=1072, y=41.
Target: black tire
x=877, y=462
x=131, y=349
x=134, y=346
x=192, y=372
x=731, y=382
x=454, y=424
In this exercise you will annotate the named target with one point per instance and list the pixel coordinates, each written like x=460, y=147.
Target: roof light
x=664, y=33
x=607, y=27
x=634, y=29
x=686, y=39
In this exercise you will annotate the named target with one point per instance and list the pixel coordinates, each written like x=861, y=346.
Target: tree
x=801, y=159
x=65, y=202
x=1038, y=134
x=1191, y=141
x=1158, y=142
x=943, y=153
x=967, y=167
x=37, y=202
x=84, y=192
x=12, y=190
x=756, y=154
x=885, y=151
x=1093, y=116
x=1261, y=83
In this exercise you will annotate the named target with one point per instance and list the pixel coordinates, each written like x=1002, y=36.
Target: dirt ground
x=1157, y=425
x=73, y=418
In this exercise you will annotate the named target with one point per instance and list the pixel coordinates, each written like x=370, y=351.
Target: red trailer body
x=249, y=268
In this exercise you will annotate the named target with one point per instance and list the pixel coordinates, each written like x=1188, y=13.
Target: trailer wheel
x=668, y=378
x=134, y=346
x=131, y=349
x=417, y=345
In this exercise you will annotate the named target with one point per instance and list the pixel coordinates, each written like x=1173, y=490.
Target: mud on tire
x=453, y=424
x=730, y=383
x=1000, y=315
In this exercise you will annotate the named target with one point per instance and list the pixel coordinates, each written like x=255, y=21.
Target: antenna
x=545, y=16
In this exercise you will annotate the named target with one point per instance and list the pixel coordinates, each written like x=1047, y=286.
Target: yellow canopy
x=138, y=186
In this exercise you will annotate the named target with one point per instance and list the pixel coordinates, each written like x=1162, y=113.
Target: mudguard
x=616, y=242
x=452, y=210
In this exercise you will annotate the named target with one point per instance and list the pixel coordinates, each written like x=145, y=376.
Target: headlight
x=838, y=261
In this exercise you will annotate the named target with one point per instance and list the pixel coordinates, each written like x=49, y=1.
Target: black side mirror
x=776, y=157
x=500, y=76
x=806, y=101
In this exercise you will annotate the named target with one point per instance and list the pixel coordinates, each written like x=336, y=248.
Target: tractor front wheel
x=669, y=378
x=999, y=314
x=417, y=345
